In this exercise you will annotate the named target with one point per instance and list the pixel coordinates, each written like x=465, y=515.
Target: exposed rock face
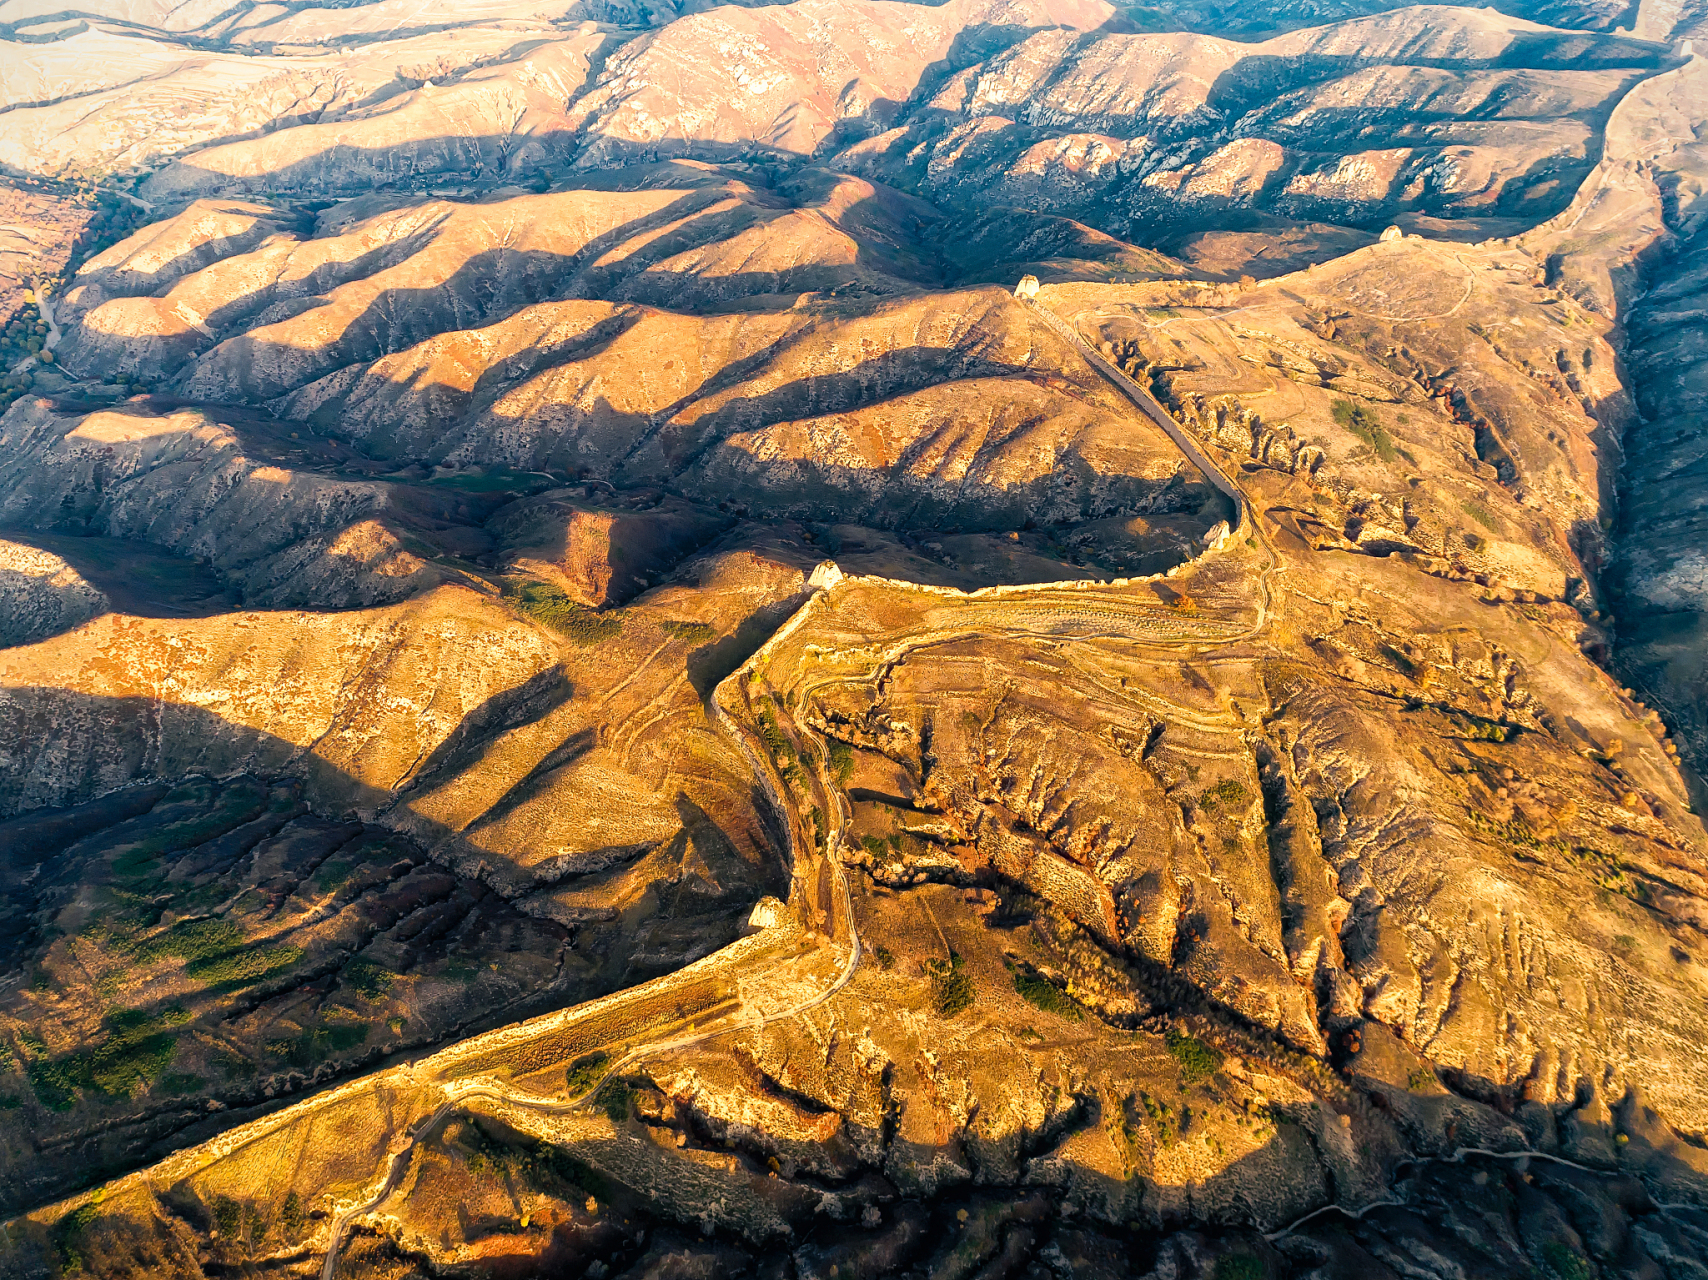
x=1660, y=570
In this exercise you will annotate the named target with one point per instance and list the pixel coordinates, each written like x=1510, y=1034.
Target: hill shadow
x=137, y=578
x=177, y=824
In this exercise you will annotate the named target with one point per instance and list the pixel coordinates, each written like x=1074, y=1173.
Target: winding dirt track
x=831, y=800
x=399, y=1163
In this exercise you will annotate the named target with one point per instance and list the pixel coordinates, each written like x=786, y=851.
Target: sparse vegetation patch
x=1197, y=1060
x=574, y=621
x=585, y=1072
x=951, y=985
x=1041, y=993
x=692, y=633
x=1365, y=425
x=1478, y=512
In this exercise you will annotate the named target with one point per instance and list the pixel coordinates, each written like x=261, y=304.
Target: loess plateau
x=1000, y=640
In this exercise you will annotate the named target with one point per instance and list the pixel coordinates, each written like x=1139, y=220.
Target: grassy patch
x=693, y=633
x=493, y=480
x=332, y=875
x=1478, y=512
x=192, y=940
x=1566, y=1262
x=951, y=986
x=1197, y=1060
x=55, y=1084
x=1044, y=994
x=133, y=1055
x=367, y=979
x=235, y=805
x=841, y=757
x=315, y=1043
x=1421, y=1080
x=1240, y=1266
x=241, y=969
x=574, y=621
x=1365, y=425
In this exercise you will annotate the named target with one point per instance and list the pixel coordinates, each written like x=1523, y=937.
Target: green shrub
x=1162, y=1119
x=617, y=1096
x=1045, y=995
x=574, y=621
x=1197, y=1059
x=291, y=1216
x=585, y=1072
x=228, y=1217
x=772, y=735
x=1229, y=792
x=951, y=986
x=68, y=1235
x=1421, y=1080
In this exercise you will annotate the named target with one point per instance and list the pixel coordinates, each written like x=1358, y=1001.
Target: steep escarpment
x=1659, y=571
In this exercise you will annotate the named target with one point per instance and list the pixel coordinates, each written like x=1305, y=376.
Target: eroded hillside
x=588, y=690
